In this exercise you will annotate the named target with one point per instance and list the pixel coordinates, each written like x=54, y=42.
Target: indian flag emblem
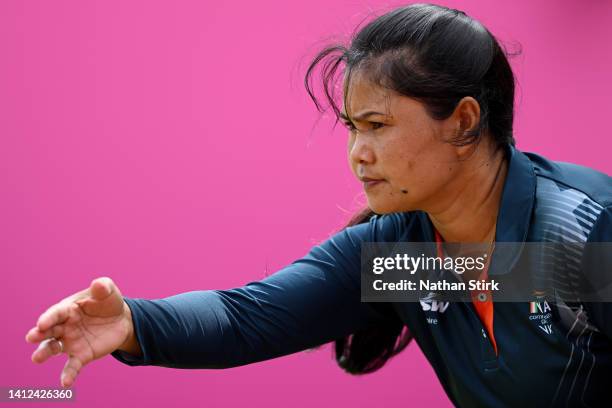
x=539, y=307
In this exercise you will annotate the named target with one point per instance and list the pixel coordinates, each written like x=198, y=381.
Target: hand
x=90, y=324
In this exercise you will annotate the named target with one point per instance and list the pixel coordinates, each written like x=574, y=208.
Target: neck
x=468, y=211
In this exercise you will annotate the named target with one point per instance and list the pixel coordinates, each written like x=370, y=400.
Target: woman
x=428, y=99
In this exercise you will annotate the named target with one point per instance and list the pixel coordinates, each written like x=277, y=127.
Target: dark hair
x=436, y=55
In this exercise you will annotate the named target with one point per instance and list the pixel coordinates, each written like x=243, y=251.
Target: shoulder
x=409, y=226
x=571, y=200
x=575, y=178
x=390, y=227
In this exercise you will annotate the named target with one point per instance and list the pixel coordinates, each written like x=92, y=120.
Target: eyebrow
x=362, y=116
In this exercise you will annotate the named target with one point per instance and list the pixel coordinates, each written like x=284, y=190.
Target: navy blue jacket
x=316, y=299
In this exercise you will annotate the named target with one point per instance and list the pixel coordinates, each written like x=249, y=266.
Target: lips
x=369, y=179
x=370, y=182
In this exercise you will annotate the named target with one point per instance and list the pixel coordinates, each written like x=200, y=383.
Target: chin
x=388, y=207
x=380, y=207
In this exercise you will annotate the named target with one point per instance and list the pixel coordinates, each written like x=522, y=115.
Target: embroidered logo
x=436, y=306
x=540, y=312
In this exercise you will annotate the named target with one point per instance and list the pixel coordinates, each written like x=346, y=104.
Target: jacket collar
x=515, y=212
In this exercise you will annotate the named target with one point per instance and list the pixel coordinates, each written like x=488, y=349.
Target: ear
x=465, y=119
x=467, y=114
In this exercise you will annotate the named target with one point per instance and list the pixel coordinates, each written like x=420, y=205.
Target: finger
x=56, y=314
x=70, y=371
x=46, y=349
x=35, y=335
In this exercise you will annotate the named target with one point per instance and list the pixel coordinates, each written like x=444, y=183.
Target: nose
x=360, y=150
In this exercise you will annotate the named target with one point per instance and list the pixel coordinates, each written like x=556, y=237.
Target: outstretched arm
x=312, y=301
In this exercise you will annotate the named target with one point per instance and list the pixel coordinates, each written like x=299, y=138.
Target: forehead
x=361, y=94
x=364, y=95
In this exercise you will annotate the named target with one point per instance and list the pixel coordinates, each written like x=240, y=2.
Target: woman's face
x=395, y=142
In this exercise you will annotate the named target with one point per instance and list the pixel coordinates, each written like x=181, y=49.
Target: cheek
x=414, y=172
x=408, y=147
x=400, y=160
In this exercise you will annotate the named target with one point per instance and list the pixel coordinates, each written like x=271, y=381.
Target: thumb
x=101, y=288
x=104, y=299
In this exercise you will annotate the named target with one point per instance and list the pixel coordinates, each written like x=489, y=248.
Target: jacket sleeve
x=312, y=301
x=597, y=266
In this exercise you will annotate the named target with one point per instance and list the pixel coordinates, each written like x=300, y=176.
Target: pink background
x=171, y=146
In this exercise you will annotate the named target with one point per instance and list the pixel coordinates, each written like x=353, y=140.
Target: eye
x=349, y=125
